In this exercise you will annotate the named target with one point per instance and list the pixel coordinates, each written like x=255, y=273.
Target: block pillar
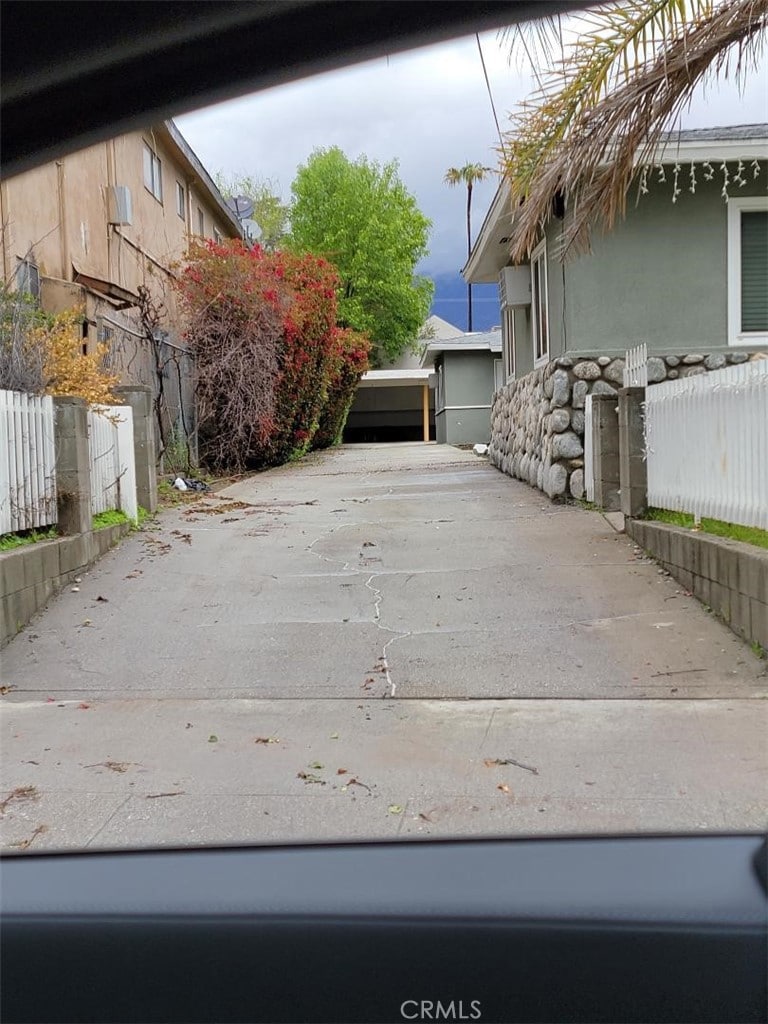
x=139, y=397
x=73, y=466
x=605, y=452
x=633, y=468
x=425, y=409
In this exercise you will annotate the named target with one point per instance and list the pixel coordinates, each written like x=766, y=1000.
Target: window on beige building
x=200, y=222
x=181, y=206
x=28, y=278
x=153, y=173
x=218, y=237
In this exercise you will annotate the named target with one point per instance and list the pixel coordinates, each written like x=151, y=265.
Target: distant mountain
x=450, y=302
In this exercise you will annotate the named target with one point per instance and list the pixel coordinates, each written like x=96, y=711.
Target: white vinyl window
x=181, y=201
x=747, y=270
x=153, y=173
x=508, y=342
x=217, y=236
x=539, y=303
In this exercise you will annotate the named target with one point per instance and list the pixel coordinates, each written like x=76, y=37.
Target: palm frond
x=586, y=138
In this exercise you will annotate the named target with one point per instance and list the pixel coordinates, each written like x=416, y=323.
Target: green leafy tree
x=467, y=175
x=269, y=211
x=360, y=216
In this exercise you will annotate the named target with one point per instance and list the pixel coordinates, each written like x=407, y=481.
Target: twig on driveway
x=677, y=672
x=493, y=761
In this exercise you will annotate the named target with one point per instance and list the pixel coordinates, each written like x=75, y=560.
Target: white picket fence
x=707, y=444
x=113, y=465
x=27, y=462
x=636, y=367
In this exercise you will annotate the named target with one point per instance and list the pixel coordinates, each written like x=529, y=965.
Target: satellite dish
x=252, y=229
x=241, y=206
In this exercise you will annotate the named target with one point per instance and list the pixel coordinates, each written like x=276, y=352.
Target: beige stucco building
x=93, y=227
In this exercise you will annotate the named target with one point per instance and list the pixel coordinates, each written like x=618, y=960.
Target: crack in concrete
x=101, y=828
x=399, y=634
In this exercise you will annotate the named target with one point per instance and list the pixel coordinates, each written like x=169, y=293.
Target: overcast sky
x=429, y=109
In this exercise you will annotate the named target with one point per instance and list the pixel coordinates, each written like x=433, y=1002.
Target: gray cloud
x=428, y=109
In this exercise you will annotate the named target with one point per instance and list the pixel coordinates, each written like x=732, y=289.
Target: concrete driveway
x=346, y=647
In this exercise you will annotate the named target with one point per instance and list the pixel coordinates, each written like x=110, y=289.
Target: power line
x=488, y=87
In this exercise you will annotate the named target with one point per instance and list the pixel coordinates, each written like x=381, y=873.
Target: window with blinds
x=748, y=270
x=754, y=271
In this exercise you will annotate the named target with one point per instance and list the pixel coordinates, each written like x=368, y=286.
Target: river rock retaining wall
x=537, y=422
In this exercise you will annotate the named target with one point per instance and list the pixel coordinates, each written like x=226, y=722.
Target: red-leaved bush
x=269, y=355
x=352, y=352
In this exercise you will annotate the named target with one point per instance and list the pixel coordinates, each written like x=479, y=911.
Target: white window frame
x=153, y=172
x=217, y=235
x=508, y=342
x=735, y=208
x=181, y=201
x=539, y=253
x=499, y=377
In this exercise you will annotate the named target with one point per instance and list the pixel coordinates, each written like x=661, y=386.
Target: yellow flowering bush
x=66, y=369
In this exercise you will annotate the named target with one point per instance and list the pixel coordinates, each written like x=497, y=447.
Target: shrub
x=67, y=370
x=352, y=354
x=269, y=354
x=234, y=308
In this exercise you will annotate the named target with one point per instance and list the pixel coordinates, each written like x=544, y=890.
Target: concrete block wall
x=32, y=574
x=729, y=577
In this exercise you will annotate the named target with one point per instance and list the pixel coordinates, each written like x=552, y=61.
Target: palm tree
x=619, y=75
x=467, y=175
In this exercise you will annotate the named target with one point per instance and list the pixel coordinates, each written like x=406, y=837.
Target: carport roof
x=394, y=378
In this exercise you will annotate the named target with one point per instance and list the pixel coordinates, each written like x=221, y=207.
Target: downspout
x=5, y=229
x=66, y=266
x=111, y=183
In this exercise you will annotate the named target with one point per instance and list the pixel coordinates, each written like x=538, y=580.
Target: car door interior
x=610, y=929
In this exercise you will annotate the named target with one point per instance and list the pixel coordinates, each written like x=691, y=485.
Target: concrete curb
x=729, y=577
x=31, y=575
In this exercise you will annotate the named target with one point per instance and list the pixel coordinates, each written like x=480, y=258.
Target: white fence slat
x=49, y=459
x=6, y=454
x=113, y=466
x=589, y=458
x=707, y=444
x=27, y=462
x=636, y=367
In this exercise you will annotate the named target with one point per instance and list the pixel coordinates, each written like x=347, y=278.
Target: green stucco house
x=685, y=273
x=467, y=369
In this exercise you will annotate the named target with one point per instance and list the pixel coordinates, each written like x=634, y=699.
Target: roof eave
x=195, y=166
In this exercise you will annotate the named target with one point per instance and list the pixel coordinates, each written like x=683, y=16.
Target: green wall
x=468, y=382
x=659, y=277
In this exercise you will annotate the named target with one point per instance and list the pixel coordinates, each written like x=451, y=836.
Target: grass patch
x=731, y=531
x=18, y=540
x=112, y=517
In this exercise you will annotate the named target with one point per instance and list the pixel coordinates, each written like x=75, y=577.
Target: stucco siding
x=464, y=426
x=659, y=277
x=468, y=378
